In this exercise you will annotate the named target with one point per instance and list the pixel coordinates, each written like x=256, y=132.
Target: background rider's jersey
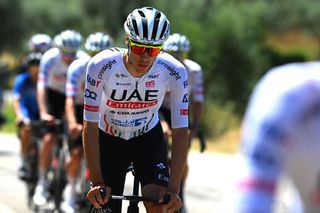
x=25, y=90
x=76, y=79
x=127, y=106
x=281, y=136
x=53, y=70
x=195, y=86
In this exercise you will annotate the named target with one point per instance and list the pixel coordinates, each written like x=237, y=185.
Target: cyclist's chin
x=143, y=67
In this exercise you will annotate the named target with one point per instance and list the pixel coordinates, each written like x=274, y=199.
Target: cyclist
x=51, y=97
x=123, y=93
x=95, y=43
x=26, y=107
x=280, y=136
x=178, y=45
x=40, y=43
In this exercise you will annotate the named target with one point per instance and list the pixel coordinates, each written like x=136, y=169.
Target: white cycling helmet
x=147, y=25
x=68, y=40
x=98, y=41
x=177, y=42
x=40, y=43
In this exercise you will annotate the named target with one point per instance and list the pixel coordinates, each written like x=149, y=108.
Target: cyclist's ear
x=127, y=40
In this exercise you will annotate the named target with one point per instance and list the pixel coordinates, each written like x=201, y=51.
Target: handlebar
x=135, y=198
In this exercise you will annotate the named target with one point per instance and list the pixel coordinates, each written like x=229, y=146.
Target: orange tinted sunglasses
x=140, y=49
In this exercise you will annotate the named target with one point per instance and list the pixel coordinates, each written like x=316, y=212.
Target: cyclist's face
x=141, y=63
x=34, y=69
x=68, y=57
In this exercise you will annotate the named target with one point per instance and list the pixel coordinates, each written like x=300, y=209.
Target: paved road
x=208, y=188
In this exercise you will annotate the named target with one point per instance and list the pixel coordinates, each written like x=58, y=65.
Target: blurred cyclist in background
x=76, y=79
x=178, y=45
x=40, y=43
x=280, y=136
x=26, y=107
x=51, y=97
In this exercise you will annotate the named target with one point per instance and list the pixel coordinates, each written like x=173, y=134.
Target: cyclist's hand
x=75, y=130
x=48, y=118
x=166, y=129
x=95, y=198
x=192, y=133
x=174, y=204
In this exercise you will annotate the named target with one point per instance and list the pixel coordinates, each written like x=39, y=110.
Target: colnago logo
x=129, y=123
x=105, y=67
x=171, y=70
x=129, y=113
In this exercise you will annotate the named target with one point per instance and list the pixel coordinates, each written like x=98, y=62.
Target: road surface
x=208, y=189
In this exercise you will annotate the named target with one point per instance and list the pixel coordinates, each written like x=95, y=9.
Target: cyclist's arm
x=41, y=96
x=92, y=151
x=16, y=108
x=197, y=110
x=178, y=157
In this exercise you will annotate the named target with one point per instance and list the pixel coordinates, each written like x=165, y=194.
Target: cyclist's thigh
x=77, y=143
x=150, y=158
x=114, y=159
x=55, y=103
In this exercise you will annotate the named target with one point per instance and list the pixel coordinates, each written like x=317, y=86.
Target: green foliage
x=218, y=119
x=12, y=27
x=9, y=126
x=227, y=36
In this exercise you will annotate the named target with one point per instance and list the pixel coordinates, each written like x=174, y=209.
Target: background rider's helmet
x=33, y=59
x=147, y=25
x=177, y=43
x=40, y=43
x=97, y=42
x=69, y=41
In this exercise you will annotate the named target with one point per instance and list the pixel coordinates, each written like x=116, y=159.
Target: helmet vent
x=145, y=28
x=141, y=13
x=135, y=26
x=163, y=29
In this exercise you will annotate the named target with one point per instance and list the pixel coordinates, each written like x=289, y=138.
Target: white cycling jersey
x=53, y=70
x=126, y=106
x=76, y=79
x=195, y=86
x=281, y=135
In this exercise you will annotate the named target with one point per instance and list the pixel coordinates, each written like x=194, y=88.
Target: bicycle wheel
x=32, y=172
x=59, y=179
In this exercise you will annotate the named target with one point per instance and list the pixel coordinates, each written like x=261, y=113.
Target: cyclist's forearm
x=92, y=151
x=16, y=108
x=197, y=110
x=178, y=157
x=70, y=111
x=41, y=96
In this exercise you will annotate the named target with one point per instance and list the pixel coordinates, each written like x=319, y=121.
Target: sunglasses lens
x=138, y=50
x=154, y=51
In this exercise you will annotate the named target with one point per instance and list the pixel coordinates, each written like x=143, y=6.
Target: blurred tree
x=12, y=27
